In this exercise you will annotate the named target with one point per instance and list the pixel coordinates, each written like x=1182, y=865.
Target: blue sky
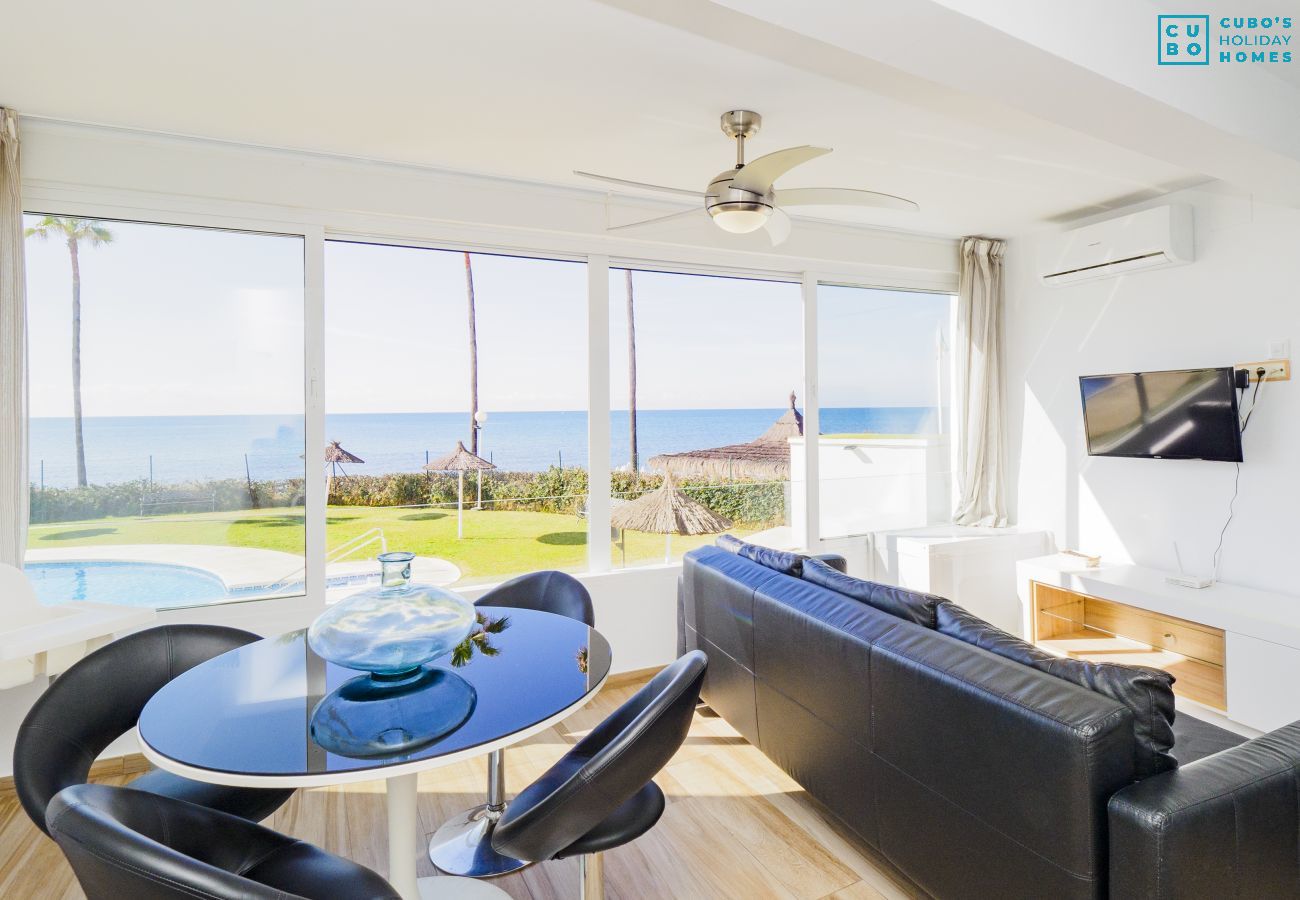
x=181, y=321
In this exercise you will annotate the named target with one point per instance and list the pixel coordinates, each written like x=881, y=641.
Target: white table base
x=403, y=840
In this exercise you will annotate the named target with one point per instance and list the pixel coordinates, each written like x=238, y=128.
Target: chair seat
x=124, y=843
x=302, y=870
x=627, y=823
x=247, y=803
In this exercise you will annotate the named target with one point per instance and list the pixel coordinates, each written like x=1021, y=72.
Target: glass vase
x=394, y=628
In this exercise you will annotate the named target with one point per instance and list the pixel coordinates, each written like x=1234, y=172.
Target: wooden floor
x=736, y=827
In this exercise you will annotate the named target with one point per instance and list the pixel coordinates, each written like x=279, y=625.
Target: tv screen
x=1181, y=414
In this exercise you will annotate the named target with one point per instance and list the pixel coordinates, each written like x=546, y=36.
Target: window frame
x=313, y=384
x=812, y=411
x=316, y=226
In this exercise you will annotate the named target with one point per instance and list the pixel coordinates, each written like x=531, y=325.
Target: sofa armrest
x=835, y=561
x=1227, y=825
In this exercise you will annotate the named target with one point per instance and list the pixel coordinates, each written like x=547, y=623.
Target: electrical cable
x=1236, y=484
x=1236, y=479
x=1254, y=402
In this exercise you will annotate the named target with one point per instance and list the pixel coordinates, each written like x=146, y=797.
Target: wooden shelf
x=1083, y=627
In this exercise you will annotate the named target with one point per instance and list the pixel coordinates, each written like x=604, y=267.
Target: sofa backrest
x=943, y=756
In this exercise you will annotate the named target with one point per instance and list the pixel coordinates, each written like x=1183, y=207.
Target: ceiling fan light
x=740, y=218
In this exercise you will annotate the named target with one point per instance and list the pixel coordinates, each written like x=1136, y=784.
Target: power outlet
x=1276, y=369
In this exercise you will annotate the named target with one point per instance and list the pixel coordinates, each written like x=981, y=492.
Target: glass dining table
x=245, y=718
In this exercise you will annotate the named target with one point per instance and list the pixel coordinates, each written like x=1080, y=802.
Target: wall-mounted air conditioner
x=1151, y=239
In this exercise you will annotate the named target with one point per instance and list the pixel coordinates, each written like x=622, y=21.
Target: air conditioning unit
x=1154, y=238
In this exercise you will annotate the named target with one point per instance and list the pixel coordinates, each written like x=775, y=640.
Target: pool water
x=147, y=584
x=124, y=583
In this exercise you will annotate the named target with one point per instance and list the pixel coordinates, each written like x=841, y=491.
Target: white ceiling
x=534, y=90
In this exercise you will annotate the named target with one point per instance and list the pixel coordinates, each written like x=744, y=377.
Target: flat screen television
x=1180, y=414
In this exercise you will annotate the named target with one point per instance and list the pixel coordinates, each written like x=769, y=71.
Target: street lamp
x=480, y=419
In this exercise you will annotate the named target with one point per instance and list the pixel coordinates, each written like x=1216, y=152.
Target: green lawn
x=496, y=543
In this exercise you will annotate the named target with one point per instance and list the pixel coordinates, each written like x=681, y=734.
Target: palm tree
x=473, y=359
x=631, y=374
x=74, y=232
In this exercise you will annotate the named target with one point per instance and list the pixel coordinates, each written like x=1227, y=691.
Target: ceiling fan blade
x=778, y=227
x=841, y=197
x=758, y=175
x=677, y=215
x=623, y=182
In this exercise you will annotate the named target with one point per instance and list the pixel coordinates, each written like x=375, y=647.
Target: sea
x=177, y=449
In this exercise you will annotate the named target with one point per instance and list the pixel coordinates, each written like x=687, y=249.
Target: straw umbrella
x=458, y=461
x=667, y=511
x=765, y=457
x=335, y=456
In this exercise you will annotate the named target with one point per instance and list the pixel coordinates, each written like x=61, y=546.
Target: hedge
x=555, y=490
x=99, y=501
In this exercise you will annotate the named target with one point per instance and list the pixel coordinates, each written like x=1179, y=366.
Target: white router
x=1182, y=579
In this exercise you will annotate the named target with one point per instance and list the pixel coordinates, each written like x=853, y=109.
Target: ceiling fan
x=744, y=199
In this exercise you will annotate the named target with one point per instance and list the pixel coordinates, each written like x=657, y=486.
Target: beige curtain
x=981, y=450
x=13, y=351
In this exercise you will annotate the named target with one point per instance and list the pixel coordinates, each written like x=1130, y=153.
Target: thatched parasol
x=666, y=510
x=459, y=461
x=766, y=457
x=334, y=453
x=335, y=456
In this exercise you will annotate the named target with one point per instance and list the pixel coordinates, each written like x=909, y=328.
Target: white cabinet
x=1262, y=679
x=1261, y=629
x=975, y=567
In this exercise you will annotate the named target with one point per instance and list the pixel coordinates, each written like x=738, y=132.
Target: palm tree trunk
x=473, y=358
x=631, y=376
x=76, y=362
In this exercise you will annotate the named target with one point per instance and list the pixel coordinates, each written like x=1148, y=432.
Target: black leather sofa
x=977, y=775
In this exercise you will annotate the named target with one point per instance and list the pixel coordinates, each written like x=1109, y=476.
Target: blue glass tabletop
x=249, y=712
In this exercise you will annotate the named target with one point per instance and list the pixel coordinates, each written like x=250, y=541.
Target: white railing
x=341, y=552
x=365, y=539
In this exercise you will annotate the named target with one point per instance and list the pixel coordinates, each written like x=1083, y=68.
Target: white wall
x=873, y=484
x=1242, y=292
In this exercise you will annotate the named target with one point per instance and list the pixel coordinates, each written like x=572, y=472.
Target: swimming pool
x=148, y=584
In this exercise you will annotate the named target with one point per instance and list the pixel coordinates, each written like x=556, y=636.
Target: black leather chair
x=100, y=698
x=463, y=844
x=552, y=592
x=600, y=794
x=127, y=843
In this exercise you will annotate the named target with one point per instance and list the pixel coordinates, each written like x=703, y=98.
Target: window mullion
x=317, y=496
x=811, y=536
x=599, y=485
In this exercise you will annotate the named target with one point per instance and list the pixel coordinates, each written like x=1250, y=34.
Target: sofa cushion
x=782, y=561
x=912, y=606
x=1147, y=692
x=1196, y=739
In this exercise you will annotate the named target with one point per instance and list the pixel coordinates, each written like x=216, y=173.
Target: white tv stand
x=1234, y=649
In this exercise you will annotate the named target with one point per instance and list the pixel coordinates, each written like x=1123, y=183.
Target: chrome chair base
x=463, y=846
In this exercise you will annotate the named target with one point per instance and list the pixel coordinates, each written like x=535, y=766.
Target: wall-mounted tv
x=1180, y=414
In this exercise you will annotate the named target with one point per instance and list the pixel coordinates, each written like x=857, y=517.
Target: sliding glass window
x=703, y=374
x=455, y=413
x=883, y=378
x=167, y=412
x=169, y=465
